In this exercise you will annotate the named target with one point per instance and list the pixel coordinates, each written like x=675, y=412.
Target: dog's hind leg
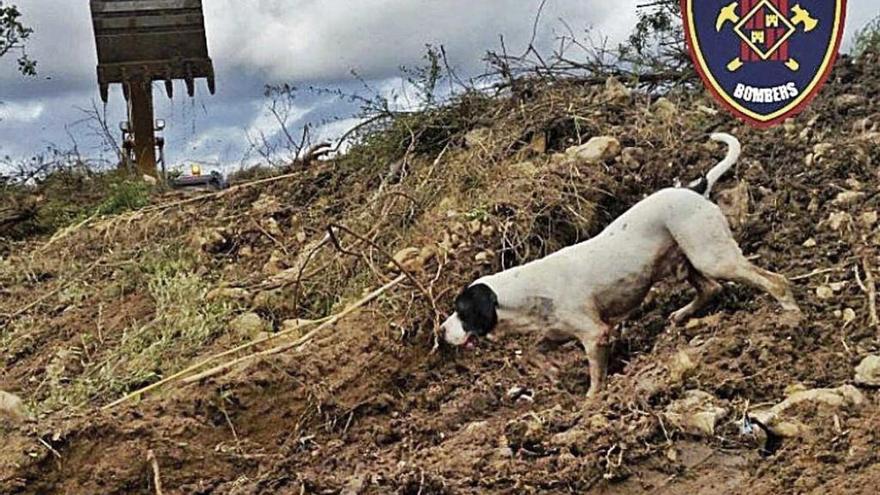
x=708, y=244
x=706, y=289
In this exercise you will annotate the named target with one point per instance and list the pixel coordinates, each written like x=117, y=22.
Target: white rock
x=696, y=413
x=616, y=92
x=664, y=109
x=848, y=197
x=596, y=150
x=248, y=324
x=11, y=407
x=868, y=372
x=778, y=421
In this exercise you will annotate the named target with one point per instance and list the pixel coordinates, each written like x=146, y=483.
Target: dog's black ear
x=477, y=309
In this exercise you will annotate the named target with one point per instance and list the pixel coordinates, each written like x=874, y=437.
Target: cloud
x=21, y=113
x=303, y=42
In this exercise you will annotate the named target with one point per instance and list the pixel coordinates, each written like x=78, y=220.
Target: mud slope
x=367, y=406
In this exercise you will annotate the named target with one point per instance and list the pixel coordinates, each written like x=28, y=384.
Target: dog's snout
x=453, y=332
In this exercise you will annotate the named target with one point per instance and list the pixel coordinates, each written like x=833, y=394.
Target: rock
x=484, y=257
x=229, y=294
x=596, y=150
x=355, y=486
x=734, y=202
x=848, y=315
x=632, y=157
x=574, y=437
x=779, y=422
x=822, y=149
x=407, y=258
x=848, y=197
x=616, y=92
x=248, y=325
x=681, y=366
x=664, y=109
x=868, y=218
x=150, y=180
x=824, y=292
x=849, y=101
x=838, y=219
x=868, y=372
x=810, y=243
x=11, y=407
x=696, y=413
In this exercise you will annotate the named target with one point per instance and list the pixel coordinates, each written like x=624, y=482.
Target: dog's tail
x=704, y=184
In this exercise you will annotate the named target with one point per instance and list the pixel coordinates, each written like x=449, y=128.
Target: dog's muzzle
x=454, y=332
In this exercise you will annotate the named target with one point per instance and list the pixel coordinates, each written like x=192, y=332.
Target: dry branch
x=210, y=359
x=157, y=478
x=302, y=340
x=871, y=291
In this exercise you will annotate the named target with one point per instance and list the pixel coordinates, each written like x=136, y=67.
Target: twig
x=157, y=479
x=209, y=360
x=814, y=273
x=302, y=340
x=871, y=290
x=385, y=253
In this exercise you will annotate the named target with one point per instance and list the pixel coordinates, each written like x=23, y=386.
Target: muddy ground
x=368, y=406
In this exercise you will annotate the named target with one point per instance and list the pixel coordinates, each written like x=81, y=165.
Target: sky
x=305, y=43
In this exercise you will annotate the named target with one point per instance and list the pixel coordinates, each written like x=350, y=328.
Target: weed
x=867, y=39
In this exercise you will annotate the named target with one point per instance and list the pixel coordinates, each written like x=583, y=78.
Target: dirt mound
x=368, y=406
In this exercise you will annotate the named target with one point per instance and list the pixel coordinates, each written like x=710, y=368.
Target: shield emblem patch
x=765, y=60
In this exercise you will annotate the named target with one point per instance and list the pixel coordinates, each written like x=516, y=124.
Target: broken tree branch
x=871, y=291
x=157, y=478
x=300, y=342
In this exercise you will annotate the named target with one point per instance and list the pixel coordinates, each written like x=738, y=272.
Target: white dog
x=585, y=289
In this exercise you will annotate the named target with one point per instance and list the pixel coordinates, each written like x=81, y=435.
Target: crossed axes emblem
x=773, y=18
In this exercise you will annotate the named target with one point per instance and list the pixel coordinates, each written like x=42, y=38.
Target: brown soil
x=369, y=408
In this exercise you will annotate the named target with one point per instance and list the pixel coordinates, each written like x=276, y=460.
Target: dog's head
x=475, y=315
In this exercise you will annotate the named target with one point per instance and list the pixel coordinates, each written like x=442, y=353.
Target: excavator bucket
x=151, y=40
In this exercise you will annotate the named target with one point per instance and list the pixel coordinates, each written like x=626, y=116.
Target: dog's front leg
x=595, y=335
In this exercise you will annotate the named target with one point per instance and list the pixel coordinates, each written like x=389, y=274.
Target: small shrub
x=867, y=39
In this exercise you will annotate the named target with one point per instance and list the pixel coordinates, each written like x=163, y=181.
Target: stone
x=849, y=101
x=596, y=150
x=868, y=218
x=868, y=372
x=681, y=366
x=150, y=180
x=632, y=157
x=616, y=91
x=837, y=219
x=11, y=407
x=824, y=292
x=406, y=258
x=664, y=109
x=696, y=413
x=779, y=421
x=848, y=198
x=248, y=325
